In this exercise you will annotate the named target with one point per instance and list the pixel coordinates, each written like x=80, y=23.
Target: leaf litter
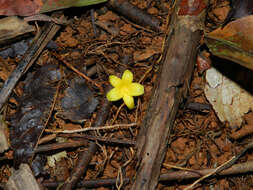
x=199, y=139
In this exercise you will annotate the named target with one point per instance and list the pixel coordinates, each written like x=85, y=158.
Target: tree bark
x=175, y=73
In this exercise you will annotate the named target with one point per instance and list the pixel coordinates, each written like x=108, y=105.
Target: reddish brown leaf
x=233, y=42
x=20, y=7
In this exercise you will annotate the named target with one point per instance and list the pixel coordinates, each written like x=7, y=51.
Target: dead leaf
x=228, y=99
x=20, y=7
x=32, y=7
x=233, y=42
x=33, y=111
x=78, y=102
x=108, y=16
x=11, y=27
x=145, y=54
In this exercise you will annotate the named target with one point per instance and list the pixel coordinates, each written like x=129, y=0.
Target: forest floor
x=198, y=140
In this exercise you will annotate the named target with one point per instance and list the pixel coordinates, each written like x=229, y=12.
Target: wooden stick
x=135, y=14
x=116, y=126
x=107, y=140
x=27, y=61
x=170, y=176
x=175, y=73
x=85, y=156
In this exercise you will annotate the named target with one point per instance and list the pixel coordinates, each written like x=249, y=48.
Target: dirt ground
x=198, y=141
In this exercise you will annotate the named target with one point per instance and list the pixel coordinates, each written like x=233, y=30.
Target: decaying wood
x=22, y=179
x=199, y=107
x=181, y=175
x=33, y=111
x=85, y=156
x=175, y=74
x=106, y=140
x=28, y=59
x=58, y=146
x=166, y=177
x=135, y=14
x=92, y=183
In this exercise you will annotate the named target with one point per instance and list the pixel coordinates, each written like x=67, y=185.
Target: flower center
x=124, y=87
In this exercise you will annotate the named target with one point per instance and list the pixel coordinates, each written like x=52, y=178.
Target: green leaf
x=51, y=5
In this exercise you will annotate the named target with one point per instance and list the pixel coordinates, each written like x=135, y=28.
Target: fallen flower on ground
x=124, y=88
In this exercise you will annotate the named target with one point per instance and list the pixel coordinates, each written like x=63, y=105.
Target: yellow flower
x=124, y=88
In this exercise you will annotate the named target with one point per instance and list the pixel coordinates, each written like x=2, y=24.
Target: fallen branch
x=135, y=14
x=82, y=142
x=244, y=131
x=27, y=61
x=222, y=167
x=174, y=78
x=171, y=176
x=85, y=156
x=57, y=146
x=88, y=79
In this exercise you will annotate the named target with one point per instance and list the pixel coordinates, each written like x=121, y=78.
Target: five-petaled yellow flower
x=124, y=88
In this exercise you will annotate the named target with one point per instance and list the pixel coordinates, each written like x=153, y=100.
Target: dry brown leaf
x=145, y=54
x=233, y=42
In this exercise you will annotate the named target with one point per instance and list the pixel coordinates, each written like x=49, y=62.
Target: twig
x=178, y=167
x=109, y=140
x=145, y=74
x=171, y=87
x=93, y=183
x=80, y=73
x=92, y=128
x=216, y=170
x=57, y=146
x=224, y=166
x=181, y=175
x=200, y=107
x=171, y=176
x=43, y=17
x=119, y=181
x=85, y=156
x=92, y=15
x=244, y=131
x=47, y=138
x=27, y=61
x=135, y=14
x=117, y=113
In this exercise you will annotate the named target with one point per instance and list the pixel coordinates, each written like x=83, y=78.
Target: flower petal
x=114, y=80
x=114, y=95
x=136, y=89
x=127, y=76
x=129, y=101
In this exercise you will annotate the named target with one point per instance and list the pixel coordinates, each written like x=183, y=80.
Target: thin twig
x=57, y=146
x=109, y=140
x=117, y=113
x=178, y=167
x=210, y=174
x=27, y=61
x=93, y=128
x=145, y=74
x=80, y=73
x=171, y=176
x=85, y=157
x=224, y=166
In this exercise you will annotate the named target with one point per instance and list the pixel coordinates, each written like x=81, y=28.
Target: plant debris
x=33, y=112
x=58, y=106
